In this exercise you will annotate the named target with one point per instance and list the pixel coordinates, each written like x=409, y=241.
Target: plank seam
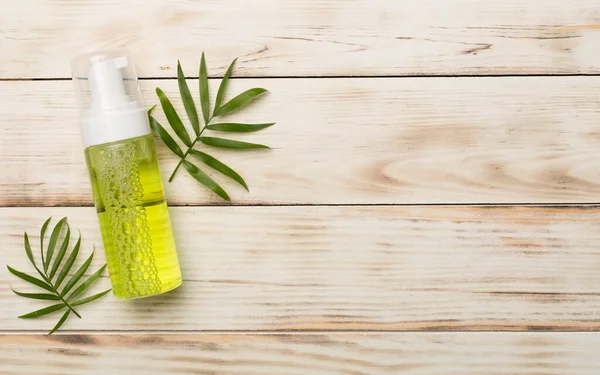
x=584, y=205
x=287, y=332
x=333, y=76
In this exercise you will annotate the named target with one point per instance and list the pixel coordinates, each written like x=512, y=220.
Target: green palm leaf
x=52, y=243
x=217, y=165
x=83, y=301
x=164, y=135
x=203, y=178
x=43, y=296
x=60, y=322
x=219, y=109
x=28, y=249
x=30, y=254
x=237, y=127
x=42, y=234
x=228, y=143
x=188, y=101
x=61, y=253
x=204, y=95
x=71, y=283
x=30, y=279
x=223, y=86
x=173, y=118
x=44, y=311
x=239, y=101
x=87, y=283
x=46, y=282
x=69, y=263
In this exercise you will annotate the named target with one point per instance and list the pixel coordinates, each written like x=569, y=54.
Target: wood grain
x=301, y=354
x=344, y=141
x=314, y=38
x=331, y=265
x=347, y=268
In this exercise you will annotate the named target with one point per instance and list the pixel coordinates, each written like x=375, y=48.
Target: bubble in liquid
x=140, y=223
x=122, y=192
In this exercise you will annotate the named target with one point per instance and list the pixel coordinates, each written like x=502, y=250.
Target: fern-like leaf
x=238, y=102
x=47, y=282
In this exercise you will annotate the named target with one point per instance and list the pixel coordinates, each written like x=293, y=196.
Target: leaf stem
x=69, y=306
x=49, y=281
x=189, y=149
x=184, y=156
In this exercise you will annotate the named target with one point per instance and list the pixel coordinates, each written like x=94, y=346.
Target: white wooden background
x=431, y=205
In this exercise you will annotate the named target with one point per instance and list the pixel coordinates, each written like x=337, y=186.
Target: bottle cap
x=109, y=99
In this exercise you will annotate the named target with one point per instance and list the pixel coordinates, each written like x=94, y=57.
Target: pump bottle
x=125, y=178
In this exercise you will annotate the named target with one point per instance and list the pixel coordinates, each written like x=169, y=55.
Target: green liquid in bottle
x=134, y=220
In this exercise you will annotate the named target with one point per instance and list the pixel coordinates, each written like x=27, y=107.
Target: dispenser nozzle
x=107, y=88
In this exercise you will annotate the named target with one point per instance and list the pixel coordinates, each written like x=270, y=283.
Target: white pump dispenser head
x=109, y=98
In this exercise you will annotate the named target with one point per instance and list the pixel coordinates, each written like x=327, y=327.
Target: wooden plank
x=291, y=38
x=344, y=141
x=300, y=354
x=347, y=268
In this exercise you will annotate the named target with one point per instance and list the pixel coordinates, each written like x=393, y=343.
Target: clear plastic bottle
x=126, y=183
